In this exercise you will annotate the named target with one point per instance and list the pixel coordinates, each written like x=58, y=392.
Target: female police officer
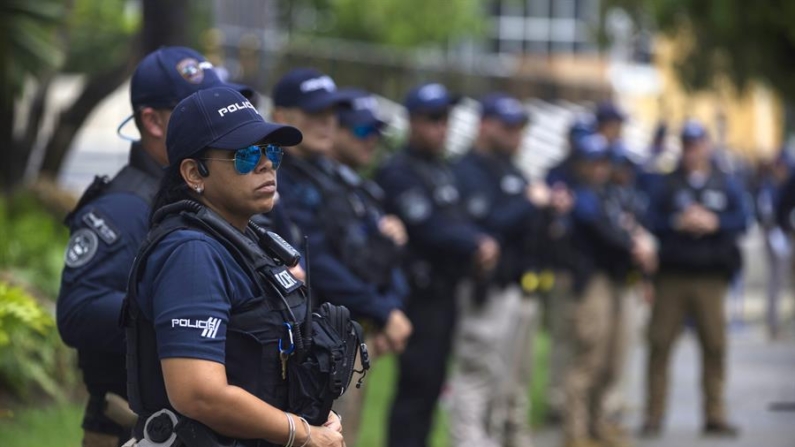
x=210, y=316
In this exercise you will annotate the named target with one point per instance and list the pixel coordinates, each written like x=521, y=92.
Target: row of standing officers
x=434, y=255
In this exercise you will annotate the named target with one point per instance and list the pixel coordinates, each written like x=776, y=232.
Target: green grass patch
x=49, y=426
x=380, y=387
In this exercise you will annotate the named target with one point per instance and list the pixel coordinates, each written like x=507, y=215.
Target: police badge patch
x=414, y=206
x=191, y=70
x=81, y=248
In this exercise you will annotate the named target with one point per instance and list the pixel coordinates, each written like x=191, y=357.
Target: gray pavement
x=760, y=393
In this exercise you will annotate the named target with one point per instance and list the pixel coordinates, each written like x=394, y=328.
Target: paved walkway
x=760, y=393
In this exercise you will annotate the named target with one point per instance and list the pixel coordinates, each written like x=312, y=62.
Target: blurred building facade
x=544, y=49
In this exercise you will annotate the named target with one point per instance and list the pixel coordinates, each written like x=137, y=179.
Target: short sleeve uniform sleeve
x=189, y=287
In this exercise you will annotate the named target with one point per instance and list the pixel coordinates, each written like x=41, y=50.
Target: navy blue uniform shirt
x=712, y=253
x=188, y=289
x=105, y=235
x=421, y=190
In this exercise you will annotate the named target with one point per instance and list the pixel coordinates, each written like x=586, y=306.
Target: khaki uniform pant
x=702, y=298
x=634, y=315
x=560, y=309
x=596, y=326
x=490, y=386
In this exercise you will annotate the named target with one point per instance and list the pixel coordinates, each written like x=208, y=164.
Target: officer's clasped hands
x=697, y=220
x=391, y=227
x=487, y=255
x=397, y=331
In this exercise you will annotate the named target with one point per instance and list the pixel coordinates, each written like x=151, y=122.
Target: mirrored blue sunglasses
x=247, y=158
x=365, y=131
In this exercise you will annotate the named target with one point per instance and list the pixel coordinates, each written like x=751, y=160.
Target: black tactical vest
x=711, y=253
x=253, y=333
x=347, y=203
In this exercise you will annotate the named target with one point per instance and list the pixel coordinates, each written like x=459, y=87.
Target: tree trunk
x=164, y=23
x=13, y=166
x=70, y=120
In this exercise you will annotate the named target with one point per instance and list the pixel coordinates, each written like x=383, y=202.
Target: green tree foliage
x=405, y=23
x=27, y=41
x=743, y=40
x=99, y=31
x=32, y=243
x=31, y=353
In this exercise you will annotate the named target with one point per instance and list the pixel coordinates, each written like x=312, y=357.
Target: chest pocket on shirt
x=714, y=200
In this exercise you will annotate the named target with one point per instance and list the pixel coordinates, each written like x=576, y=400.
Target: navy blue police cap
x=170, y=74
x=505, y=108
x=429, y=98
x=221, y=118
x=592, y=147
x=363, y=109
x=692, y=130
x=607, y=111
x=309, y=90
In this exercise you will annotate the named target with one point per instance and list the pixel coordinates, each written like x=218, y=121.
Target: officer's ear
x=191, y=173
x=153, y=122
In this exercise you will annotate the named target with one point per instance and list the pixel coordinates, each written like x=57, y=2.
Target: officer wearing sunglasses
x=204, y=309
x=107, y=226
x=444, y=247
x=354, y=246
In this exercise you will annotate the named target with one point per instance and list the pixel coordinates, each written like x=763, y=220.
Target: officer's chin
x=264, y=204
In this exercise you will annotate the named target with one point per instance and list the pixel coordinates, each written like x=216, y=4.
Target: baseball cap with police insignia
x=309, y=90
x=221, y=118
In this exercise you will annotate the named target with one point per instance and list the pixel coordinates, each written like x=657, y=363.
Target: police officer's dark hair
x=173, y=188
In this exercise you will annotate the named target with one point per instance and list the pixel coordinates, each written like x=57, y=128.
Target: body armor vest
x=254, y=331
x=347, y=204
x=322, y=346
x=710, y=253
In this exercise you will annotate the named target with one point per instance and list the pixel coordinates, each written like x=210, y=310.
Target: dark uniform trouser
x=676, y=297
x=423, y=364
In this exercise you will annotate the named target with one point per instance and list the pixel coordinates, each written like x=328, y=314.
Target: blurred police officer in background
x=444, y=247
x=561, y=177
x=698, y=213
x=107, y=226
x=498, y=318
x=353, y=246
x=607, y=249
x=626, y=206
x=771, y=177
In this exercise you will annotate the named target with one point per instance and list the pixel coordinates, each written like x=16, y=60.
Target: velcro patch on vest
x=285, y=280
x=102, y=226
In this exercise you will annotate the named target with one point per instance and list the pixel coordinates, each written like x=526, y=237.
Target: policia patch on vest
x=81, y=248
x=101, y=226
